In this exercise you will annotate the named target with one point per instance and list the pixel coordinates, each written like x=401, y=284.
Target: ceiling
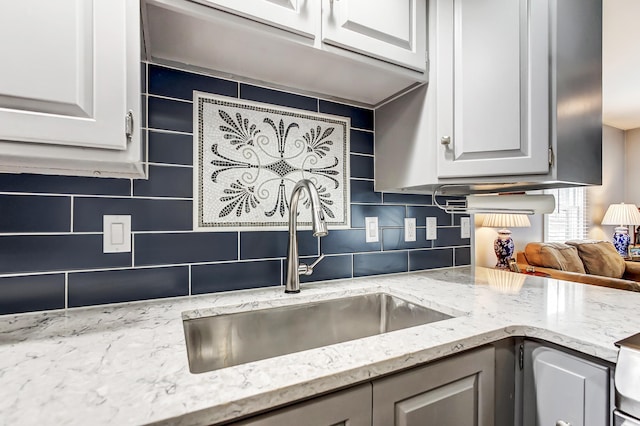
x=621, y=64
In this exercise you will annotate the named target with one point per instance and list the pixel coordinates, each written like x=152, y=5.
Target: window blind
x=570, y=219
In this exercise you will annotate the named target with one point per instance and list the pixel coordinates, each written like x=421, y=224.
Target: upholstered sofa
x=585, y=261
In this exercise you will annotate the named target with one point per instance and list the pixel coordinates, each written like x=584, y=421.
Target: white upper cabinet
x=69, y=78
x=391, y=30
x=514, y=101
x=298, y=16
x=492, y=87
x=362, y=51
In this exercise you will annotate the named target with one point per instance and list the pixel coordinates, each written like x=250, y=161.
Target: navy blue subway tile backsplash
x=277, y=97
x=178, y=84
x=51, y=229
x=32, y=293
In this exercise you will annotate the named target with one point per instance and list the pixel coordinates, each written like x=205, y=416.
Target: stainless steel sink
x=230, y=339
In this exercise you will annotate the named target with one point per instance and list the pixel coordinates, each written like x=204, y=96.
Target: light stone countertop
x=127, y=364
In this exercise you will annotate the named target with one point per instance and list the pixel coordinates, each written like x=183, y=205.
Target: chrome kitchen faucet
x=294, y=269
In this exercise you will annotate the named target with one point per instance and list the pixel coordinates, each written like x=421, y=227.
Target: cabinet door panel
x=559, y=386
x=64, y=74
x=391, y=30
x=298, y=16
x=451, y=404
x=350, y=407
x=492, y=87
x=23, y=86
x=452, y=392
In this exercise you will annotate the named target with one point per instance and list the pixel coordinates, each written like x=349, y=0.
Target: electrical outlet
x=409, y=228
x=371, y=229
x=465, y=227
x=432, y=228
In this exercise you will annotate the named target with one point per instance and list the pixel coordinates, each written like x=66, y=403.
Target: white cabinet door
x=70, y=76
x=492, y=87
x=298, y=16
x=63, y=77
x=562, y=387
x=391, y=30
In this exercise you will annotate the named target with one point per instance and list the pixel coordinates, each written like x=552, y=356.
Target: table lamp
x=503, y=245
x=621, y=214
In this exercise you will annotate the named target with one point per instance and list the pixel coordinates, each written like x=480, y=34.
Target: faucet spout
x=294, y=269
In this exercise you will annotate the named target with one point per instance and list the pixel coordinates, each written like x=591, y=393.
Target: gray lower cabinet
x=456, y=391
x=351, y=407
x=453, y=392
x=563, y=389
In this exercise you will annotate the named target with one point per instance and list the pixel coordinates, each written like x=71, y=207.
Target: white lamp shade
x=621, y=214
x=506, y=221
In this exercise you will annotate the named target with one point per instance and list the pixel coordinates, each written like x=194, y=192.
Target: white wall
x=614, y=179
x=632, y=146
x=612, y=190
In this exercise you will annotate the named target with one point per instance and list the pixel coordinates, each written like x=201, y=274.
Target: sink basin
x=225, y=340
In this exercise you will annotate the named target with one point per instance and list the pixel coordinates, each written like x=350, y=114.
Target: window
x=570, y=219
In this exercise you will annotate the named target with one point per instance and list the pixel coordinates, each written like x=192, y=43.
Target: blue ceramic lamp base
x=621, y=241
x=503, y=247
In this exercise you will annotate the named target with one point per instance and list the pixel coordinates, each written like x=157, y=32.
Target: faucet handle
x=308, y=269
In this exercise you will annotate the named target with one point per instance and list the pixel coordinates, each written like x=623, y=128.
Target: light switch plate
x=371, y=229
x=465, y=227
x=432, y=228
x=116, y=236
x=409, y=229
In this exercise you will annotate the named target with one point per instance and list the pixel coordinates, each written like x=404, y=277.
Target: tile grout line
x=72, y=206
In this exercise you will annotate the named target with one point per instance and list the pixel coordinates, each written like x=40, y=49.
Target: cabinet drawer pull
x=445, y=140
x=562, y=423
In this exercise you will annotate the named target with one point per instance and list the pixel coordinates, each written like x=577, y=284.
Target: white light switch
x=117, y=234
x=465, y=227
x=432, y=228
x=371, y=225
x=409, y=228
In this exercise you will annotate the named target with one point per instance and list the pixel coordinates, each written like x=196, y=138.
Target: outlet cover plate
x=409, y=229
x=371, y=229
x=116, y=236
x=465, y=227
x=432, y=228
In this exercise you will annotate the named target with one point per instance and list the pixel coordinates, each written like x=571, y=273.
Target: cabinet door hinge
x=521, y=357
x=550, y=156
x=128, y=125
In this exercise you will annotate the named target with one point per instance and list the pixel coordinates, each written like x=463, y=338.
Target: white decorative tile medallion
x=249, y=155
